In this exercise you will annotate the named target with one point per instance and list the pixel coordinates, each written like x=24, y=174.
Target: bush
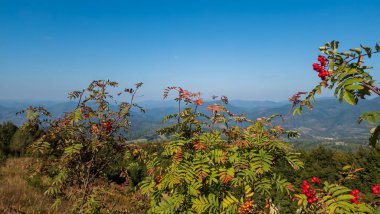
x=215, y=167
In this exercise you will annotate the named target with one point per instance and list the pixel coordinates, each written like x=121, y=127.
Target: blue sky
x=260, y=50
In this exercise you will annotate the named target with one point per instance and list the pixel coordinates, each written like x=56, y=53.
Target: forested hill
x=328, y=119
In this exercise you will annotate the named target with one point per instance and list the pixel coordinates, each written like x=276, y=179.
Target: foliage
x=216, y=162
x=216, y=167
x=348, y=76
x=346, y=73
x=335, y=198
x=23, y=138
x=78, y=149
x=7, y=130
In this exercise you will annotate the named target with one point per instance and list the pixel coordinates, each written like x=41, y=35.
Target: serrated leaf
x=351, y=81
x=371, y=117
x=339, y=192
x=349, y=98
x=344, y=197
x=354, y=87
x=365, y=208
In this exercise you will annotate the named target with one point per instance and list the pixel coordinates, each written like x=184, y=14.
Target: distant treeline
x=15, y=140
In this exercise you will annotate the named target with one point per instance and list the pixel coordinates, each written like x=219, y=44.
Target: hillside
x=328, y=119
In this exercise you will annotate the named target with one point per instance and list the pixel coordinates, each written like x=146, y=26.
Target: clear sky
x=260, y=50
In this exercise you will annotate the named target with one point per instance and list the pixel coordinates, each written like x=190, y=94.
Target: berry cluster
x=84, y=111
x=309, y=192
x=320, y=67
x=355, y=193
x=107, y=126
x=376, y=189
x=246, y=207
x=315, y=180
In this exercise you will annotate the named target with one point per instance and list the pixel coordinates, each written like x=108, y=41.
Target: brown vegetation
x=16, y=195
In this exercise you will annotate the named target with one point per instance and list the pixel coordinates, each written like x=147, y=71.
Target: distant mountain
x=149, y=104
x=245, y=104
x=249, y=104
x=24, y=104
x=9, y=114
x=328, y=119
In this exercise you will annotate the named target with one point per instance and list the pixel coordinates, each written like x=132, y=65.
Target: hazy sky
x=260, y=50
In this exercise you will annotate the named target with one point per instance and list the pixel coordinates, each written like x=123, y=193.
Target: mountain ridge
x=327, y=119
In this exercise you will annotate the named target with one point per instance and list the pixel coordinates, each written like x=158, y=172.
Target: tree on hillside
x=23, y=138
x=79, y=149
x=7, y=130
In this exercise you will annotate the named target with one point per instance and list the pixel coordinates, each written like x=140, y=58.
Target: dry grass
x=17, y=196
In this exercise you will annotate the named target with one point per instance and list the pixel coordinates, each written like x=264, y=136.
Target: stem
x=372, y=88
x=80, y=98
x=87, y=179
x=179, y=112
x=194, y=112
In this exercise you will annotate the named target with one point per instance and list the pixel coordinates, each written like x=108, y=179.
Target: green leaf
x=349, y=98
x=377, y=47
x=297, y=110
x=375, y=136
x=323, y=48
x=351, y=81
x=365, y=208
x=368, y=50
x=340, y=192
x=353, y=87
x=344, y=197
x=77, y=115
x=356, y=50
x=346, y=167
x=371, y=117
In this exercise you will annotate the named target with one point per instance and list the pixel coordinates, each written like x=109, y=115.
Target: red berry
x=310, y=200
x=316, y=66
x=320, y=57
x=315, y=180
x=376, y=189
x=355, y=192
x=354, y=200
